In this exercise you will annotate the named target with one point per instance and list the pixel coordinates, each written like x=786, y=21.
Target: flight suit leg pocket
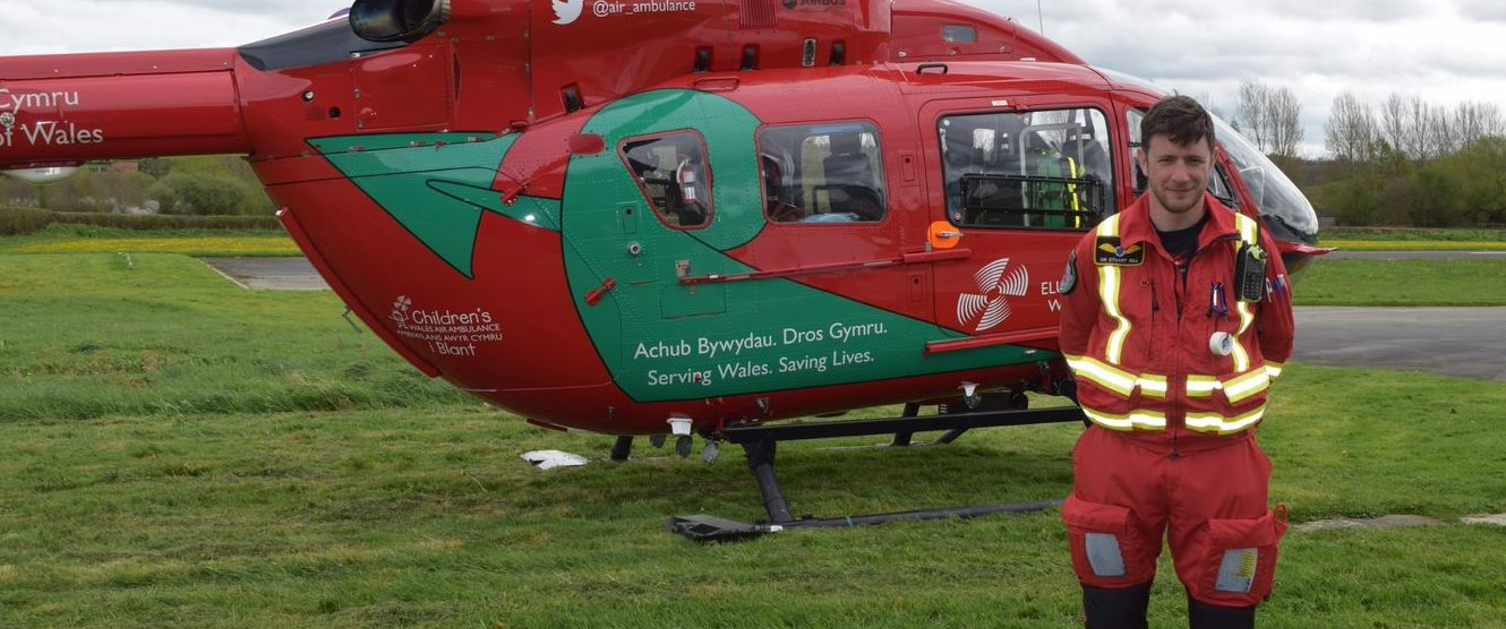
x=1239, y=567
x=1106, y=549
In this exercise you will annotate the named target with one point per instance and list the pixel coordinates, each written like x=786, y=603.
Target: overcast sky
x=1444, y=51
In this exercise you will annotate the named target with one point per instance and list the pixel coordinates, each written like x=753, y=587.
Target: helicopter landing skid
x=760, y=442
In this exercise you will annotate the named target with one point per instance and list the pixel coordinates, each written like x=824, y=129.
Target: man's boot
x=1118, y=608
x=1205, y=616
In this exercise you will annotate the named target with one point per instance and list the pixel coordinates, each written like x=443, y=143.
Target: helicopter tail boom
x=68, y=109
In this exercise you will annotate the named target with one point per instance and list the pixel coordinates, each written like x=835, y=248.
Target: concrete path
x=269, y=273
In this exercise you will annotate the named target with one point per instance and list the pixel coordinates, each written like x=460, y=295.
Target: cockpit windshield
x=333, y=40
x=1283, y=206
x=1285, y=209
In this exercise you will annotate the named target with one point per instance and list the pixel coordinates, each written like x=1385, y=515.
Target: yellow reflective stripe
x=1072, y=187
x=1248, y=228
x=1242, y=387
x=1072, y=191
x=1152, y=385
x=1115, y=379
x=1109, y=279
x=1249, y=232
x=1214, y=422
x=1201, y=386
x=1241, y=355
x=1236, y=389
x=1146, y=420
x=1274, y=369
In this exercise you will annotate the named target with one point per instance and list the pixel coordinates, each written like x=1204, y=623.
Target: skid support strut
x=760, y=442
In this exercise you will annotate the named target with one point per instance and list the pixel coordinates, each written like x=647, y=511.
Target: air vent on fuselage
x=757, y=13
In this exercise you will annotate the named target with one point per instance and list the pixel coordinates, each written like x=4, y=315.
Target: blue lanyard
x=1218, y=300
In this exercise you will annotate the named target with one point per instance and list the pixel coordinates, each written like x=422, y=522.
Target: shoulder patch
x=1109, y=252
x=1069, y=276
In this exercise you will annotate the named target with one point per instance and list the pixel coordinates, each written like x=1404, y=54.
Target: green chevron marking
x=436, y=186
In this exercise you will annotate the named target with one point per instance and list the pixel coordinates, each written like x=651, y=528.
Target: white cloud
x=1445, y=51
x=1493, y=10
x=60, y=26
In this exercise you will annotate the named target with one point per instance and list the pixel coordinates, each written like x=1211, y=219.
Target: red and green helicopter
x=670, y=216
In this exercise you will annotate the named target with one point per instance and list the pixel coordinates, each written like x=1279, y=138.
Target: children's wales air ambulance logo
x=989, y=307
x=400, y=308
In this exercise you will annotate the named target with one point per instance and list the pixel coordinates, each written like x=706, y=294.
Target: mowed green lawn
x=1413, y=282
x=179, y=452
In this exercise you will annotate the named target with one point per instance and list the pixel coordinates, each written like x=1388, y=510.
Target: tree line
x=203, y=186
x=1403, y=162
x=1410, y=162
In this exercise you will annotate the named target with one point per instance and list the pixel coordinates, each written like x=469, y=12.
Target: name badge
x=1110, y=253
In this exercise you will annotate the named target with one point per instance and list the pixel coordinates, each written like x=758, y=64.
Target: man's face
x=1177, y=174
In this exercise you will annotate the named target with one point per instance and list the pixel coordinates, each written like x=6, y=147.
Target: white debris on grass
x=550, y=459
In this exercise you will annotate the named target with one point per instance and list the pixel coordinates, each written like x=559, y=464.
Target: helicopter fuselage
x=656, y=215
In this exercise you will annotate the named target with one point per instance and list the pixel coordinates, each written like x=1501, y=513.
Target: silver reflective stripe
x=1236, y=389
x=1109, y=278
x=1117, y=380
x=1242, y=387
x=1214, y=422
x=1236, y=573
x=1144, y=420
x=1241, y=355
x=1104, y=555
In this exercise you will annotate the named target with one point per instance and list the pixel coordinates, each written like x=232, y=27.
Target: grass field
x=63, y=238
x=1414, y=282
x=179, y=452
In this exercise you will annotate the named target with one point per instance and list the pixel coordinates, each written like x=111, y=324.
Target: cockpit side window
x=1040, y=169
x=964, y=33
x=674, y=176
x=824, y=173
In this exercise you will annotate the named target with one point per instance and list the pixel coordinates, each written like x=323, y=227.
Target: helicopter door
x=1021, y=187
x=659, y=225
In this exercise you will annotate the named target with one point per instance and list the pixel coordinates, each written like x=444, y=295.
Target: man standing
x=1176, y=317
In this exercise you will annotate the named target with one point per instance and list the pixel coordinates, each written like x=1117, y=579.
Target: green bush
x=17, y=221
x=210, y=194
x=14, y=221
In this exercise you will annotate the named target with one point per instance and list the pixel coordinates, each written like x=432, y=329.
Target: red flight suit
x=1172, y=370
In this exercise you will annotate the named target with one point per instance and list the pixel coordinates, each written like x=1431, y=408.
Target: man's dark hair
x=1180, y=118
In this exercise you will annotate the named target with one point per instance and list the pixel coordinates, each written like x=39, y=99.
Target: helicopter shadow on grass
x=826, y=478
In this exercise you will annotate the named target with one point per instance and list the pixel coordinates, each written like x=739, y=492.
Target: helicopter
x=666, y=217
